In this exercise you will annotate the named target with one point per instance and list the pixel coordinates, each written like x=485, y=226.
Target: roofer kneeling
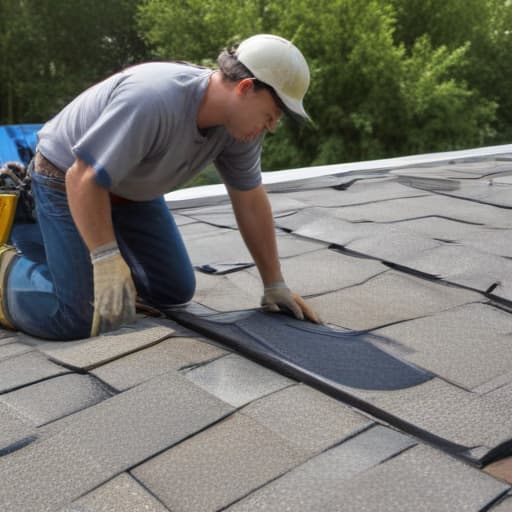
x=102, y=166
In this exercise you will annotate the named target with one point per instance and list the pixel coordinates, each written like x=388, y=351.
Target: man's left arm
x=254, y=217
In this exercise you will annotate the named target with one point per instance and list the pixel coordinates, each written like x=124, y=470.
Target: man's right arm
x=90, y=205
x=114, y=291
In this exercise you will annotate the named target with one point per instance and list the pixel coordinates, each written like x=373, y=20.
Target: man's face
x=252, y=112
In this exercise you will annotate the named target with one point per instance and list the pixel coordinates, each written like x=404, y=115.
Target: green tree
x=52, y=49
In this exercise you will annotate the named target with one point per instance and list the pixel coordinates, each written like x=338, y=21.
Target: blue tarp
x=18, y=142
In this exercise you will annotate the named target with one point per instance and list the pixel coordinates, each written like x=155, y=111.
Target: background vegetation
x=389, y=77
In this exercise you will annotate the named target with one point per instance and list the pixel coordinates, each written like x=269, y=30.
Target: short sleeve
x=239, y=164
x=122, y=136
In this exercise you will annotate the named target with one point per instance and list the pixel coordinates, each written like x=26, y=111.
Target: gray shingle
x=121, y=494
x=503, y=506
x=360, y=192
x=8, y=350
x=218, y=466
x=105, y=440
x=15, y=431
x=25, y=369
x=317, y=482
x=307, y=418
x=54, y=398
x=475, y=426
x=237, y=380
x=389, y=297
x=467, y=267
x=323, y=271
x=421, y=479
x=92, y=352
x=170, y=354
x=228, y=248
x=428, y=206
x=454, y=343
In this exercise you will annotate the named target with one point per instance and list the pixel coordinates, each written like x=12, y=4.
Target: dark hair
x=233, y=70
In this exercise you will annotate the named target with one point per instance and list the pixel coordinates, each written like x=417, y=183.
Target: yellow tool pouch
x=8, y=202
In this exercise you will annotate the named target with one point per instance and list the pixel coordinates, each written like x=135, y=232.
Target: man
x=102, y=166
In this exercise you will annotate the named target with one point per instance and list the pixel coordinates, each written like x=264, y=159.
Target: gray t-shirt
x=138, y=129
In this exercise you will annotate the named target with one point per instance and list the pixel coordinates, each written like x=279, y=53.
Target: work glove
x=278, y=297
x=114, y=291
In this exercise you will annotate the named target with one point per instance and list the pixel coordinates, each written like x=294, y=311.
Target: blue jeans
x=49, y=290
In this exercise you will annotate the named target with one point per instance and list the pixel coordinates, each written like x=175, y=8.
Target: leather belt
x=46, y=168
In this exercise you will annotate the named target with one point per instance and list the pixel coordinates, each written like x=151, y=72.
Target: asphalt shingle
x=54, y=398
x=237, y=380
x=170, y=354
x=387, y=298
x=307, y=418
x=89, y=353
x=107, y=439
x=25, y=369
x=225, y=462
x=453, y=343
x=317, y=482
x=15, y=431
x=121, y=494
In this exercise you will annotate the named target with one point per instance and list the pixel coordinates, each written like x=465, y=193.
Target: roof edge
x=213, y=194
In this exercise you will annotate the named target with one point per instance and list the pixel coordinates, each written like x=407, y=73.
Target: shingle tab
x=92, y=352
x=54, y=398
x=236, y=380
x=307, y=418
x=15, y=431
x=218, y=466
x=106, y=440
x=8, y=350
x=474, y=426
x=454, y=343
x=420, y=479
x=168, y=355
x=25, y=369
x=317, y=482
x=387, y=298
x=467, y=267
x=121, y=494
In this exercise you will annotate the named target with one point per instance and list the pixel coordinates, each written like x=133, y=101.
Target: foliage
x=389, y=77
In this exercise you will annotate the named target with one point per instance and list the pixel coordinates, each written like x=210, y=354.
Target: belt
x=46, y=168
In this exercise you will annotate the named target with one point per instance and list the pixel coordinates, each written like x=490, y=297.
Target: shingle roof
x=397, y=403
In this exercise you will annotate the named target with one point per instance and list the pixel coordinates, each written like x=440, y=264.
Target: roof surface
x=402, y=401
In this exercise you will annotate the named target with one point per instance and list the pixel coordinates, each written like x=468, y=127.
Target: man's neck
x=213, y=105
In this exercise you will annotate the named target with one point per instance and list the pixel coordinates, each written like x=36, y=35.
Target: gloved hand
x=114, y=291
x=278, y=297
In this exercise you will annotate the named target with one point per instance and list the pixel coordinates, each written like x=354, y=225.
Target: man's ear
x=244, y=86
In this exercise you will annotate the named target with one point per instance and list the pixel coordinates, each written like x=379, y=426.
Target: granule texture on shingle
x=469, y=345
x=92, y=352
x=389, y=297
x=421, y=479
x=121, y=494
x=14, y=430
x=8, y=350
x=25, y=369
x=466, y=420
x=146, y=364
x=237, y=380
x=307, y=418
x=503, y=506
x=314, y=484
x=105, y=440
x=54, y=398
x=218, y=466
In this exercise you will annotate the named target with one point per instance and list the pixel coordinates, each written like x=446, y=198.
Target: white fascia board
x=212, y=194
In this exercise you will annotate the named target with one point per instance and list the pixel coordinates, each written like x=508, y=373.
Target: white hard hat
x=278, y=63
